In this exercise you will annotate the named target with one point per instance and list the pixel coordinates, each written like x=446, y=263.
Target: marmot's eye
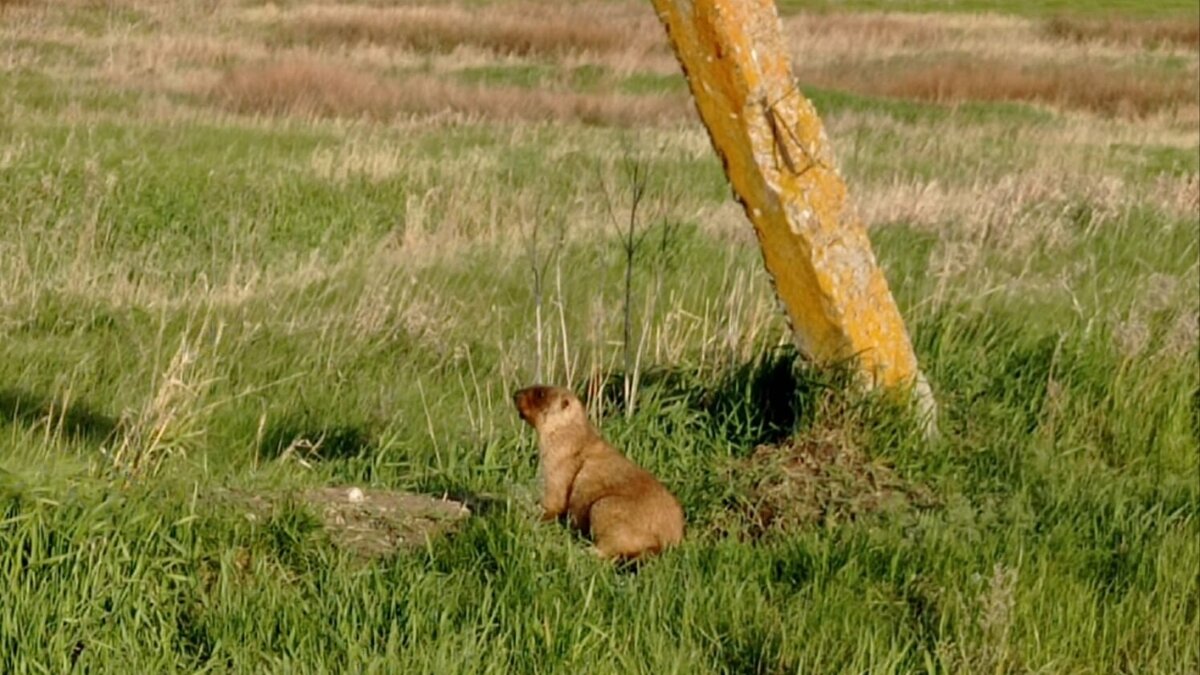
x=565, y=402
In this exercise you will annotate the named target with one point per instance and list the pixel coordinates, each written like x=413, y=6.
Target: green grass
x=831, y=101
x=366, y=285
x=38, y=92
x=1065, y=539
x=1155, y=161
x=653, y=83
x=527, y=76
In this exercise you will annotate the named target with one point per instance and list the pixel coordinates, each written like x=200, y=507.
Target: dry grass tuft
x=520, y=30
x=1080, y=86
x=1148, y=33
x=304, y=87
x=308, y=88
x=817, y=478
x=876, y=30
x=171, y=422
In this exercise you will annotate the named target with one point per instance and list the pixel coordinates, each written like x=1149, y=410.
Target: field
x=261, y=248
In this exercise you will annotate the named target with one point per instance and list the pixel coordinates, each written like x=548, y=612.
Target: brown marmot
x=624, y=509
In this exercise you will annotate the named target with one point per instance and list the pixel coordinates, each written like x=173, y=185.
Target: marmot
x=624, y=509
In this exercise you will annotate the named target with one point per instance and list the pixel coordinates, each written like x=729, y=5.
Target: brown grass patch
x=876, y=30
x=313, y=89
x=1180, y=31
x=518, y=30
x=14, y=5
x=1082, y=86
x=818, y=478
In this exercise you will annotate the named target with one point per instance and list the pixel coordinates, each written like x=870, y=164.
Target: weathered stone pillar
x=779, y=161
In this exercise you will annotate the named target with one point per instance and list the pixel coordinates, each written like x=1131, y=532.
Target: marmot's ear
x=565, y=402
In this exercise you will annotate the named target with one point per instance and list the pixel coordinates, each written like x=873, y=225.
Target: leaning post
x=779, y=161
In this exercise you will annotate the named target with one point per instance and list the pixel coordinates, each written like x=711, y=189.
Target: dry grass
x=1080, y=86
x=1138, y=33
x=319, y=89
x=880, y=31
x=325, y=55
x=305, y=87
x=818, y=477
x=309, y=88
x=173, y=421
x=826, y=39
x=517, y=30
x=629, y=38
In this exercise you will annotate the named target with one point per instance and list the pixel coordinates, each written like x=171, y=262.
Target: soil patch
x=369, y=523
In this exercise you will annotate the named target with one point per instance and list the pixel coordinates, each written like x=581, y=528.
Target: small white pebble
x=355, y=495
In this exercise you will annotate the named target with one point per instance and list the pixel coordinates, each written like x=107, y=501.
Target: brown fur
x=626, y=511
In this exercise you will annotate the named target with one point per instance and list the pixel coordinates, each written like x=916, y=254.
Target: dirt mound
x=816, y=478
x=369, y=523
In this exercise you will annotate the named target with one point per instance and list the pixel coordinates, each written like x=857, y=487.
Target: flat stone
x=370, y=523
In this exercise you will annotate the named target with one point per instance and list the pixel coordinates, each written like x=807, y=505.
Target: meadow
x=259, y=248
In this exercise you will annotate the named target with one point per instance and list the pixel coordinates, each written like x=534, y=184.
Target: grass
x=1147, y=32
x=1129, y=8
x=1079, y=86
x=309, y=89
x=559, y=32
x=195, y=282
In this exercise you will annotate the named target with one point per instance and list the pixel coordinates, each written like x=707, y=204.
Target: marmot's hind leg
x=618, y=532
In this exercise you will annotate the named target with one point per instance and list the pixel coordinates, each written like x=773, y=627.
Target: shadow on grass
x=765, y=400
x=316, y=440
x=77, y=420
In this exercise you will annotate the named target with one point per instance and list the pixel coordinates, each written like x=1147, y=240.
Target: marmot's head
x=547, y=408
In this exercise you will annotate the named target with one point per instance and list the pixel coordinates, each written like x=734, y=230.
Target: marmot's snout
x=527, y=401
x=535, y=403
x=519, y=401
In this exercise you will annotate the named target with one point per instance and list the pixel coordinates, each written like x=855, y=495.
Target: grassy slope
x=1067, y=534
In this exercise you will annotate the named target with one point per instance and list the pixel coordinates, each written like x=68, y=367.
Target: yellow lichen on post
x=778, y=159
